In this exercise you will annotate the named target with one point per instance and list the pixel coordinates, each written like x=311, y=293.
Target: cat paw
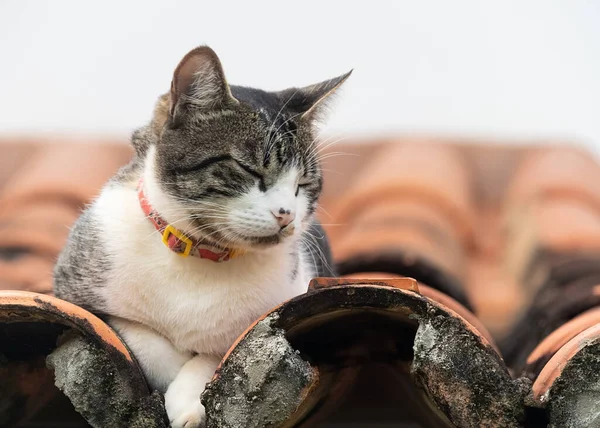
x=183, y=410
x=192, y=419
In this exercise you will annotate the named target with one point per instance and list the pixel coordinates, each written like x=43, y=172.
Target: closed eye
x=301, y=185
x=261, y=179
x=216, y=159
x=223, y=158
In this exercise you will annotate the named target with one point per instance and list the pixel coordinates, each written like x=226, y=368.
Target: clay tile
x=567, y=171
x=353, y=336
x=557, y=225
x=45, y=320
x=552, y=209
x=434, y=174
x=396, y=281
x=50, y=170
x=540, y=356
x=567, y=384
x=554, y=311
x=406, y=224
x=40, y=199
x=400, y=216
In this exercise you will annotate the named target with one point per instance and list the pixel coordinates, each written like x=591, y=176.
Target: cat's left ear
x=199, y=81
x=310, y=101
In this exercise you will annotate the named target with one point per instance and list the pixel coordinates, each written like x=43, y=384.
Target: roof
x=502, y=241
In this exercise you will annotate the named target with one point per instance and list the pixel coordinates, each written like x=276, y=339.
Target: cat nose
x=284, y=216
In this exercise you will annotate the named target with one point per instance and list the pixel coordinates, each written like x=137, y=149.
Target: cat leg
x=159, y=360
x=182, y=399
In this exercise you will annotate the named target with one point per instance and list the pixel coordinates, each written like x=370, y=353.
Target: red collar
x=176, y=240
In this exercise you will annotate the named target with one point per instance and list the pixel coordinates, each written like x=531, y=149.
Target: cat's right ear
x=199, y=82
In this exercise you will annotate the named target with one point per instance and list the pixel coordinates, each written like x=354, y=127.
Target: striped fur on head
x=230, y=154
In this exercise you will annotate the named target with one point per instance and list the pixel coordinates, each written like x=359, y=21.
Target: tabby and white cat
x=208, y=227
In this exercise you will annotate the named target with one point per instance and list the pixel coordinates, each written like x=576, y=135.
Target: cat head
x=234, y=166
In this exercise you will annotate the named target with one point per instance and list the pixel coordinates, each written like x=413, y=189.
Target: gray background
x=504, y=68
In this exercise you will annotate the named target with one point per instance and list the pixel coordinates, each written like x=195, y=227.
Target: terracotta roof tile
x=504, y=242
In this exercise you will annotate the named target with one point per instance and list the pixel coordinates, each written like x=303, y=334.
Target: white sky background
x=505, y=68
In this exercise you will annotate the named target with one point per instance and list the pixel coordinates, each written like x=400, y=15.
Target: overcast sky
x=524, y=69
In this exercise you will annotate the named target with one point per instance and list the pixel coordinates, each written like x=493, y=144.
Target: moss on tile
x=574, y=400
x=88, y=376
x=465, y=379
x=261, y=384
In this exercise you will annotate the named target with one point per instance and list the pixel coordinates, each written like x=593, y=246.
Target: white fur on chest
x=199, y=305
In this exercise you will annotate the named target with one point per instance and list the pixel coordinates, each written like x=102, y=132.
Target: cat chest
x=210, y=321
x=198, y=311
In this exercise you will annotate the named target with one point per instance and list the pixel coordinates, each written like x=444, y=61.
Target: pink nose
x=284, y=216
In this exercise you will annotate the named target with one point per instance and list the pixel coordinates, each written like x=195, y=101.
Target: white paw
x=193, y=419
x=184, y=408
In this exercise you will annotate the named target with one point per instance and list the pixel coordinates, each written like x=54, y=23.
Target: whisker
x=269, y=143
x=320, y=254
x=322, y=208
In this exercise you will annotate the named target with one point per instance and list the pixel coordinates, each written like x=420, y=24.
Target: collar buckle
x=170, y=230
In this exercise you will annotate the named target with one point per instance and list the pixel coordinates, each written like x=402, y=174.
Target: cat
x=210, y=225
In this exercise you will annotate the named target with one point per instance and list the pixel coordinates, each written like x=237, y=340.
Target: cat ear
x=310, y=101
x=199, y=81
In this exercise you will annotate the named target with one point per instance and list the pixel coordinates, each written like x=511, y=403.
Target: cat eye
x=300, y=185
x=261, y=180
